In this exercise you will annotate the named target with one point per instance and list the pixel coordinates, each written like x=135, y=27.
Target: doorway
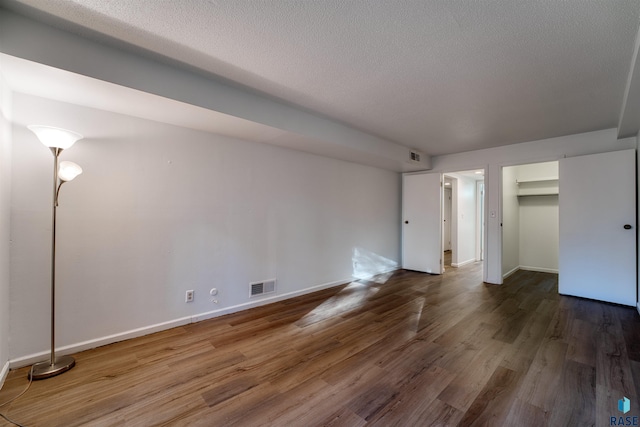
x=446, y=221
x=424, y=219
x=463, y=218
x=530, y=222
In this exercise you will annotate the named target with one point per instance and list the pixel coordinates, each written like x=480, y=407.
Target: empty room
x=319, y=213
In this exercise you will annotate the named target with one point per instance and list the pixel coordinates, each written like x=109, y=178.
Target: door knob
x=406, y=222
x=628, y=227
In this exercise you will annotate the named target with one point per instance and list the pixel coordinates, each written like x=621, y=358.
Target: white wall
x=161, y=209
x=539, y=223
x=5, y=231
x=494, y=159
x=539, y=233
x=510, y=222
x=537, y=171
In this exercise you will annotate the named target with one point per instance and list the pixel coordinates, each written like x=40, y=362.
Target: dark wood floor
x=408, y=350
x=446, y=259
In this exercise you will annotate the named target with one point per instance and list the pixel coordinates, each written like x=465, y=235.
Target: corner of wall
x=5, y=225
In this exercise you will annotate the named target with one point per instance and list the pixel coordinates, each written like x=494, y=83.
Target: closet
x=530, y=225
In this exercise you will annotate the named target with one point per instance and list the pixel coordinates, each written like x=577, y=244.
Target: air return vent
x=264, y=287
x=415, y=156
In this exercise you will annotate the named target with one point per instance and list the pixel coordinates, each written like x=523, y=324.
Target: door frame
x=455, y=176
x=480, y=220
x=447, y=228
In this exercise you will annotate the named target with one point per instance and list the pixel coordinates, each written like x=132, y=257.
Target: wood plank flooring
x=407, y=349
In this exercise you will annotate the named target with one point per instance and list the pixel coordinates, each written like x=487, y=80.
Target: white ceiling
x=439, y=76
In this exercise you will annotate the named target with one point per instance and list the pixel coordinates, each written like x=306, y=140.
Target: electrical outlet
x=188, y=297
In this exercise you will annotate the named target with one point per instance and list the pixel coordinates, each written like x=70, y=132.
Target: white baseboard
x=528, y=268
x=134, y=333
x=97, y=342
x=3, y=373
x=463, y=263
x=265, y=301
x=510, y=272
x=539, y=269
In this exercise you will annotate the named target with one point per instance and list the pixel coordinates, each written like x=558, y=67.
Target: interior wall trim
x=463, y=263
x=539, y=269
x=528, y=268
x=268, y=300
x=510, y=272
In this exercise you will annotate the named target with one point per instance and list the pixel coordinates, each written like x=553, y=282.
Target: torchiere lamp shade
x=68, y=170
x=54, y=137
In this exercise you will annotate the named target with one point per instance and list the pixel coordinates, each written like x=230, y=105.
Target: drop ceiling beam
x=39, y=42
x=629, y=121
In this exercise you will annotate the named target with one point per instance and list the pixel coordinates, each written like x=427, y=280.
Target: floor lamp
x=57, y=140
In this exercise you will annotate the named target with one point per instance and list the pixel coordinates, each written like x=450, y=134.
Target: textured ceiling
x=440, y=76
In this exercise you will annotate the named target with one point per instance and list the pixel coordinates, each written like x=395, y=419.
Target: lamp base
x=43, y=370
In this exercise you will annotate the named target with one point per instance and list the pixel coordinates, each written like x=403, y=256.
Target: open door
x=597, y=227
x=422, y=223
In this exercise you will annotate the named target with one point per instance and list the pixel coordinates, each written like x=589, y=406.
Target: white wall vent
x=415, y=156
x=263, y=287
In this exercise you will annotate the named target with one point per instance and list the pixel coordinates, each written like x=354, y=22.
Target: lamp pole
x=55, y=365
x=56, y=154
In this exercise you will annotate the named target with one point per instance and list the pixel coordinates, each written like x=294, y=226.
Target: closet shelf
x=539, y=194
x=538, y=187
x=528, y=181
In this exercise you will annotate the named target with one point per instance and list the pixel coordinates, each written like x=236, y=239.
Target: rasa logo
x=624, y=406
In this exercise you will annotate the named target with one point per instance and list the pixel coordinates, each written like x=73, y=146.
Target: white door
x=597, y=257
x=422, y=223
